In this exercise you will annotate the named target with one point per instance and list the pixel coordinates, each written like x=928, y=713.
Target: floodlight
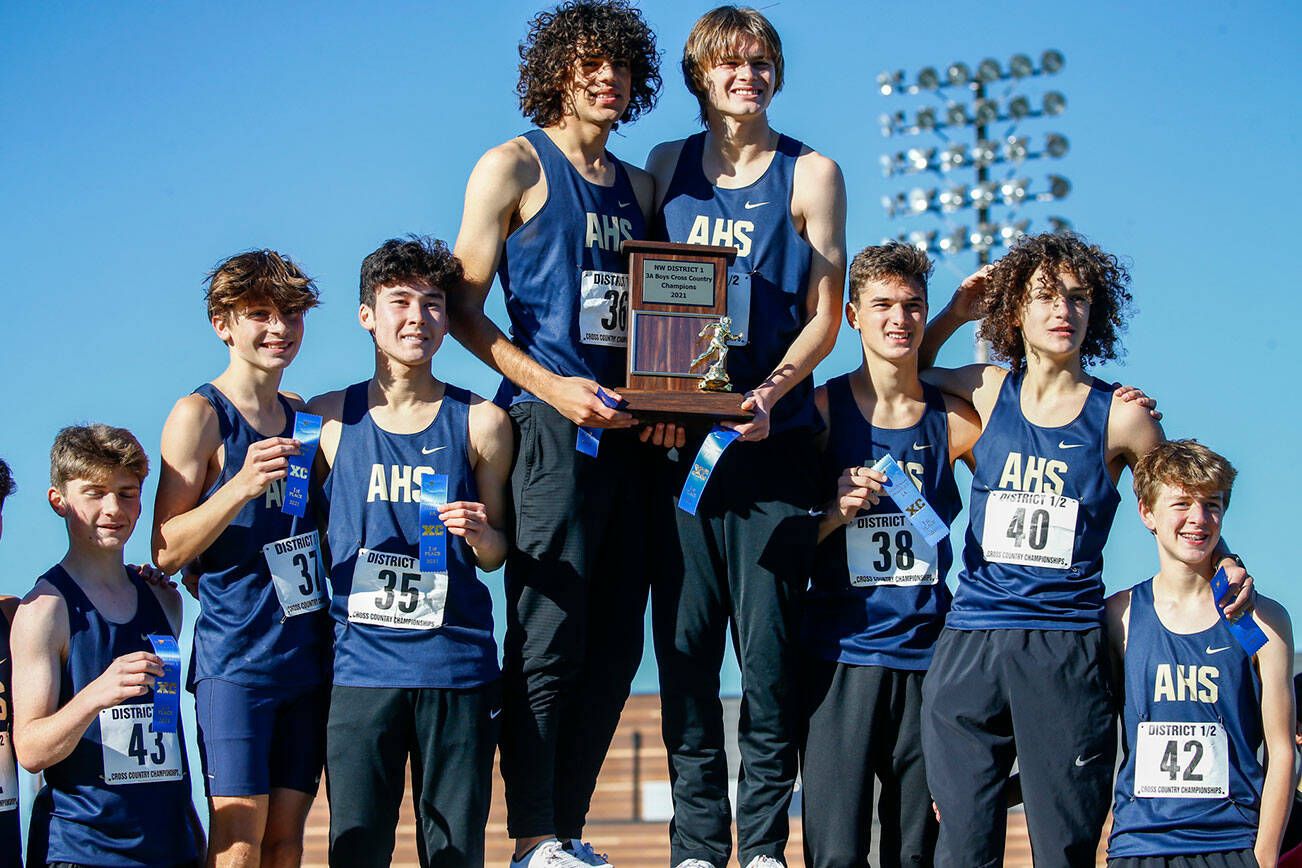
x=893, y=204
x=986, y=111
x=1051, y=61
x=1020, y=66
x=1054, y=103
x=952, y=156
x=920, y=199
x=958, y=74
x=956, y=114
x=952, y=199
x=929, y=79
x=983, y=237
x=888, y=165
x=1055, y=145
x=955, y=242
x=922, y=239
x=983, y=194
x=1059, y=186
x=889, y=82
x=1013, y=192
x=1016, y=149
x=926, y=119
x=1010, y=232
x=1019, y=107
x=891, y=122
x=983, y=154
x=919, y=158
x=1059, y=225
x=988, y=70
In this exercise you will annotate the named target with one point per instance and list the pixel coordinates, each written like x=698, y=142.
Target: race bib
x=1182, y=761
x=603, y=312
x=883, y=549
x=8, y=775
x=296, y=573
x=133, y=752
x=1037, y=530
x=739, y=307
x=391, y=591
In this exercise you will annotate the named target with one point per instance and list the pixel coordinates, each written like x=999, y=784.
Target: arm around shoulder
x=491, y=448
x=1279, y=721
x=1132, y=431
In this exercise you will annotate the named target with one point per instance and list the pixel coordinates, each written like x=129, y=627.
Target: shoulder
x=193, y=415
x=822, y=401
x=960, y=411
x=1131, y=427
x=1116, y=614
x=663, y=157
x=328, y=405
x=815, y=169
x=295, y=400
x=170, y=599
x=512, y=159
x=1274, y=619
x=43, y=612
x=486, y=418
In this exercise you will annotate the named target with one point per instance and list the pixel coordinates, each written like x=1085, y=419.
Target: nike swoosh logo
x=492, y=715
x=917, y=448
x=424, y=451
x=1080, y=762
x=1210, y=650
x=625, y=204
x=1062, y=445
x=750, y=205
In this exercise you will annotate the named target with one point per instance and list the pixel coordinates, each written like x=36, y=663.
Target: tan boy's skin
x=247, y=831
x=1183, y=602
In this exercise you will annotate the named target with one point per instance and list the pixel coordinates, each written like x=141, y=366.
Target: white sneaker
x=764, y=862
x=693, y=863
x=585, y=854
x=549, y=854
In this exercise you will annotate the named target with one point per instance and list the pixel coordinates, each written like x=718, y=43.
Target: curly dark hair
x=6, y=482
x=1010, y=284
x=892, y=259
x=612, y=29
x=417, y=258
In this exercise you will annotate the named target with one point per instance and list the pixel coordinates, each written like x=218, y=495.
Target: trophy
x=678, y=332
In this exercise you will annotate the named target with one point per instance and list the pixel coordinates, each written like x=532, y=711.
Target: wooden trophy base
x=655, y=405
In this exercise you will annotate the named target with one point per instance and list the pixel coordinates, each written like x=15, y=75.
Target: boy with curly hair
x=1020, y=670
x=548, y=212
x=415, y=663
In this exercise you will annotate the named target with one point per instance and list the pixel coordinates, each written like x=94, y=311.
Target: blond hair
x=95, y=452
x=714, y=37
x=1184, y=464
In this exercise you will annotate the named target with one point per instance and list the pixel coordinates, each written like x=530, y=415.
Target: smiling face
x=100, y=513
x=408, y=321
x=1055, y=314
x=261, y=335
x=1187, y=524
x=890, y=316
x=600, y=90
x=740, y=83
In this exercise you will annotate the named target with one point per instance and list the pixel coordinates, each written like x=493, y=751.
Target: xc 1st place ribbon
x=307, y=431
x=167, y=687
x=1245, y=629
x=588, y=440
x=901, y=489
x=433, y=533
x=707, y=456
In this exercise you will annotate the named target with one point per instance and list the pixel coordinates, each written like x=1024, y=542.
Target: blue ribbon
x=707, y=456
x=167, y=687
x=307, y=431
x=901, y=489
x=588, y=440
x=433, y=533
x=1245, y=629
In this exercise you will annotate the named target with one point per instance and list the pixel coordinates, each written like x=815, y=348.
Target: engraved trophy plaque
x=678, y=332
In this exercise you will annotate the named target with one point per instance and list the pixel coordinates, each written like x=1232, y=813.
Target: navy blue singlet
x=122, y=797
x=10, y=835
x=242, y=634
x=891, y=610
x=444, y=632
x=1191, y=729
x=757, y=221
x=1041, y=508
x=565, y=278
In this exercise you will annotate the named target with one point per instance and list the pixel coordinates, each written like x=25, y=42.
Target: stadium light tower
x=960, y=140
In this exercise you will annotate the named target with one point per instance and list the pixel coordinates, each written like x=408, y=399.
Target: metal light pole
x=1002, y=158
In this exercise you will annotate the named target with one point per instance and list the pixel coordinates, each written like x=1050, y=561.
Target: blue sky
x=145, y=142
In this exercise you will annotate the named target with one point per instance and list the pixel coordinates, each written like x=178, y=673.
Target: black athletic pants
x=742, y=564
x=449, y=735
x=864, y=722
x=1042, y=697
x=576, y=590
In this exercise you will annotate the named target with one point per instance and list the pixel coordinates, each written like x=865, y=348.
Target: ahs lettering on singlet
x=1028, y=519
x=603, y=295
x=1188, y=760
x=882, y=549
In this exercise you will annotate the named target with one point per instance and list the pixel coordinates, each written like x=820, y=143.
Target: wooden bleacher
x=612, y=828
